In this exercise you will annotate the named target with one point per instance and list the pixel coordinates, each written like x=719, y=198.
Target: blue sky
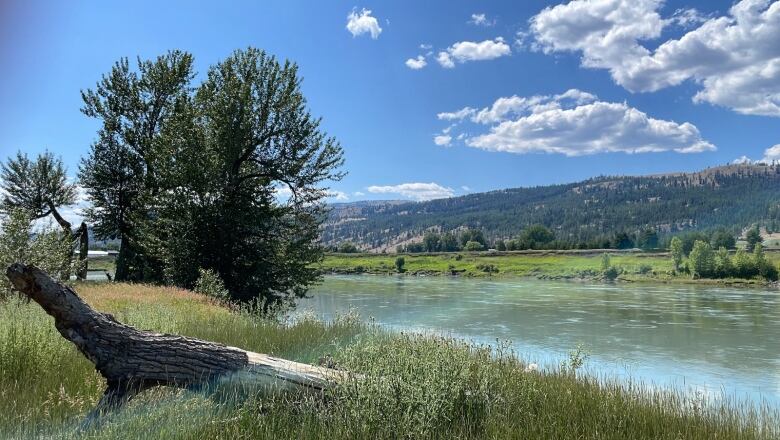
x=680, y=85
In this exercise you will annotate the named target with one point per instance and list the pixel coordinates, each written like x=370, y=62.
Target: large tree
x=229, y=176
x=244, y=184
x=120, y=173
x=40, y=187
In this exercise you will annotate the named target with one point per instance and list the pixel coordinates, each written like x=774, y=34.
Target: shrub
x=399, y=264
x=611, y=273
x=210, y=284
x=645, y=269
x=487, y=268
x=49, y=249
x=473, y=246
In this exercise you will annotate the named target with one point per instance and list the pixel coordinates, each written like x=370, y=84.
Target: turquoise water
x=718, y=342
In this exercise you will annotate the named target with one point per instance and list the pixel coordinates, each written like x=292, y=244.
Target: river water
x=718, y=342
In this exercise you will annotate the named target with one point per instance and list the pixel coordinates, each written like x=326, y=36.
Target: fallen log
x=132, y=360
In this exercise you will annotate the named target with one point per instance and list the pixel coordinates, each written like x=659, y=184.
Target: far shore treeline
x=189, y=177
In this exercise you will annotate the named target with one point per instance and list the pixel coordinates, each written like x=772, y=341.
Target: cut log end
x=132, y=360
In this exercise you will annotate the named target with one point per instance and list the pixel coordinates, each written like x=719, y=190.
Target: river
x=719, y=342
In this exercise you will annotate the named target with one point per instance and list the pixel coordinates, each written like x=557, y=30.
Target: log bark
x=132, y=360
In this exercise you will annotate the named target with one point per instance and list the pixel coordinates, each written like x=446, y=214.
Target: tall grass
x=410, y=386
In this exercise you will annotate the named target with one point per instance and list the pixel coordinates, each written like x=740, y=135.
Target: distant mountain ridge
x=733, y=196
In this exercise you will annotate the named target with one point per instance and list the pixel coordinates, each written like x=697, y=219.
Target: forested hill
x=733, y=196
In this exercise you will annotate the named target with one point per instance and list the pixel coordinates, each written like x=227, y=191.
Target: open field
x=634, y=266
x=415, y=386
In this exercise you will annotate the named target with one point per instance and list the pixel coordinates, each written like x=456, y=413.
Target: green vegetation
x=49, y=249
x=412, y=386
x=627, y=266
x=190, y=176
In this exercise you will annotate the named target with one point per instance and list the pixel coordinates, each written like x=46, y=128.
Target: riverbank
x=554, y=265
x=414, y=386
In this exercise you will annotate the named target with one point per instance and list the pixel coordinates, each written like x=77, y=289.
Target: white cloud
x=464, y=51
x=465, y=188
x=416, y=63
x=416, y=191
x=734, y=58
x=481, y=20
x=363, y=22
x=456, y=116
x=575, y=123
x=771, y=155
x=358, y=194
x=442, y=140
x=338, y=195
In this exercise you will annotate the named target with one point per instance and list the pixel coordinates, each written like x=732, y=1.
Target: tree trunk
x=83, y=252
x=132, y=360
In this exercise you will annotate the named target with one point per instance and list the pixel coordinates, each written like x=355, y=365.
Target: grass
x=414, y=386
x=540, y=264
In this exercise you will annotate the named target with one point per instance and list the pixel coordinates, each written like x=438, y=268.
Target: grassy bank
x=414, y=387
x=585, y=265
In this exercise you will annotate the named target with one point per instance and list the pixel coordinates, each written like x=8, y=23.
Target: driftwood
x=132, y=360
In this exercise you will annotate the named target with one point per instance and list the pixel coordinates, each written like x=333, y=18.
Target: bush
x=645, y=269
x=210, y=284
x=49, y=249
x=473, y=246
x=348, y=248
x=611, y=273
x=399, y=264
x=487, y=268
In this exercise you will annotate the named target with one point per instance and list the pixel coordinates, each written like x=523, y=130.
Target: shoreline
x=578, y=266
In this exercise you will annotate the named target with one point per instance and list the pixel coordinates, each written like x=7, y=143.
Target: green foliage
x=677, y=252
x=622, y=240
x=487, y=268
x=189, y=176
x=723, y=265
x=473, y=246
x=536, y=237
x=348, y=248
x=702, y=260
x=609, y=271
x=125, y=165
x=210, y=284
x=753, y=237
x=36, y=186
x=49, y=249
x=722, y=238
x=431, y=242
x=472, y=235
x=606, y=262
x=399, y=264
x=647, y=239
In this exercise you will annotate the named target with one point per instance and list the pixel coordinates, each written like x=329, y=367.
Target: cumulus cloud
x=416, y=191
x=456, y=116
x=442, y=140
x=735, y=58
x=359, y=23
x=416, y=63
x=338, y=195
x=481, y=20
x=771, y=156
x=465, y=51
x=576, y=123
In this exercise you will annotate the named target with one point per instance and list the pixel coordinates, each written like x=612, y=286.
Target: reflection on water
x=716, y=340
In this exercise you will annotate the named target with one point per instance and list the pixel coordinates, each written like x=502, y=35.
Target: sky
x=438, y=98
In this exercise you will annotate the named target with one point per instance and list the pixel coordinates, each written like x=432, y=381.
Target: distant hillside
x=733, y=196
